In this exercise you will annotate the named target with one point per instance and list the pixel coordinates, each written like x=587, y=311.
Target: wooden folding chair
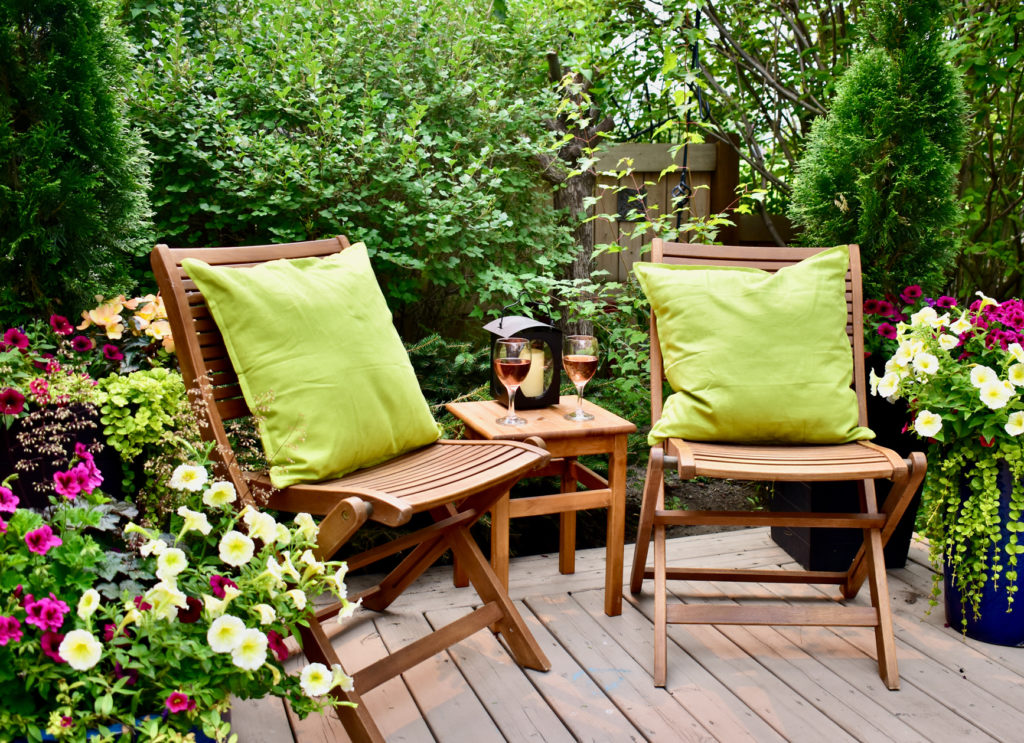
x=456, y=482
x=861, y=461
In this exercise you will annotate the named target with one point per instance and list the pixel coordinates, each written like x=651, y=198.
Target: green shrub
x=73, y=207
x=880, y=169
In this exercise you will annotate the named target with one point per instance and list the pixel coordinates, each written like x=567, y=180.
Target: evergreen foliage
x=73, y=205
x=880, y=168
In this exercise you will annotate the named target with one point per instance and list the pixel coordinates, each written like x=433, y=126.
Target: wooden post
x=724, y=181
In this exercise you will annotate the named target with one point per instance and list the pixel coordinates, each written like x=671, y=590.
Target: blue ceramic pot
x=994, y=624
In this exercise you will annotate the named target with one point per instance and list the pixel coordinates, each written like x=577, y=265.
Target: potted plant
x=216, y=598
x=961, y=373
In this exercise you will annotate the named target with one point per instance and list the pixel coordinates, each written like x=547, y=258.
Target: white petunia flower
x=961, y=326
x=225, y=634
x=924, y=316
x=313, y=566
x=948, y=342
x=214, y=606
x=287, y=568
x=1016, y=374
x=262, y=526
x=166, y=599
x=88, y=604
x=341, y=679
x=1016, y=351
x=316, y=680
x=889, y=385
x=80, y=649
x=926, y=363
x=170, y=563
x=873, y=380
x=927, y=424
x=236, y=549
x=1015, y=423
x=904, y=354
x=251, y=651
x=266, y=613
x=996, y=394
x=298, y=597
x=194, y=521
x=348, y=608
x=981, y=375
x=153, y=547
x=337, y=581
x=284, y=536
x=219, y=494
x=189, y=477
x=307, y=526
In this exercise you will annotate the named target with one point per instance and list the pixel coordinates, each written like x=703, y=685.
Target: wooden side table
x=566, y=440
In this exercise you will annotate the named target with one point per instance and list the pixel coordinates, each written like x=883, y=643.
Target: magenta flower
x=12, y=402
x=217, y=584
x=10, y=630
x=887, y=330
x=885, y=308
x=50, y=645
x=191, y=612
x=275, y=641
x=60, y=325
x=42, y=539
x=132, y=674
x=945, y=302
x=142, y=605
x=3, y=526
x=910, y=294
x=179, y=702
x=8, y=500
x=870, y=306
x=14, y=337
x=87, y=475
x=45, y=613
x=40, y=390
x=112, y=352
x=82, y=344
x=67, y=484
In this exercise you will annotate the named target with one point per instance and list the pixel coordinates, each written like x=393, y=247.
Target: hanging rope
x=683, y=191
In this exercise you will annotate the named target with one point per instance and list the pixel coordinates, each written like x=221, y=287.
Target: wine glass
x=512, y=363
x=579, y=359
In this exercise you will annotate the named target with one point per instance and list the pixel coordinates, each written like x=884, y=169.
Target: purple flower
x=112, y=352
x=46, y=613
x=14, y=337
x=886, y=330
x=42, y=539
x=131, y=674
x=8, y=500
x=179, y=702
x=60, y=325
x=50, y=643
x=67, y=484
x=12, y=402
x=217, y=584
x=10, y=630
x=82, y=344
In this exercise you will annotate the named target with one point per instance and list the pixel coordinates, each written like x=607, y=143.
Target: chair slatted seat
x=861, y=461
x=455, y=482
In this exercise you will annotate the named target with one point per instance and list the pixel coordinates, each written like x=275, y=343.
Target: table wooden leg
x=567, y=523
x=616, y=529
x=499, y=538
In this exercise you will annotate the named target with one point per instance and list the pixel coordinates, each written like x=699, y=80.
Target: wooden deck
x=724, y=683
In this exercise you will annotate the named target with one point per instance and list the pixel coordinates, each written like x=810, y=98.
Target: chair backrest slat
x=205, y=365
x=767, y=259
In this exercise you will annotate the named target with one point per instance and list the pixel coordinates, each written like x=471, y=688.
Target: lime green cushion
x=755, y=357
x=319, y=361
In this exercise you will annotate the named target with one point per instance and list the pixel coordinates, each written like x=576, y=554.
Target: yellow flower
x=981, y=375
x=1016, y=351
x=316, y=680
x=189, y=477
x=996, y=394
x=170, y=563
x=926, y=363
x=194, y=521
x=236, y=549
x=225, y=634
x=1016, y=374
x=219, y=494
x=251, y=651
x=80, y=649
x=88, y=604
x=927, y=424
x=948, y=342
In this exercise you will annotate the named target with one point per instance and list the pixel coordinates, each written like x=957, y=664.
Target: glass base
x=511, y=421
x=579, y=416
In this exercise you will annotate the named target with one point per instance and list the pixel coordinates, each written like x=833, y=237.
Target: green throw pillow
x=317, y=355
x=755, y=357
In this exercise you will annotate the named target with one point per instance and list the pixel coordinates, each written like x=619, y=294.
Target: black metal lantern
x=541, y=386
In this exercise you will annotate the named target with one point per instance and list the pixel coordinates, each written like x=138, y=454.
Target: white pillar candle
x=533, y=385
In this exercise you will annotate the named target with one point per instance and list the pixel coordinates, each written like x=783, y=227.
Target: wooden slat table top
x=548, y=423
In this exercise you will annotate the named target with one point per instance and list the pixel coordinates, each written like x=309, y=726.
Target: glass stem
x=512, y=401
x=579, y=399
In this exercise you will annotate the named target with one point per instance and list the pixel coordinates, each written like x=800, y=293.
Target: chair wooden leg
x=356, y=720
x=500, y=518
x=660, y=608
x=521, y=643
x=885, y=641
x=567, y=523
x=411, y=568
x=653, y=488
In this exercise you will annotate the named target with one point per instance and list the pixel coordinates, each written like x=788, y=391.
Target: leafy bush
x=411, y=126
x=73, y=206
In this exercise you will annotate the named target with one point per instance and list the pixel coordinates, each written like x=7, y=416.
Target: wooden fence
x=714, y=176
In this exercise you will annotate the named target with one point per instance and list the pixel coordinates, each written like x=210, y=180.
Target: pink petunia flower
x=50, y=645
x=191, y=612
x=82, y=344
x=885, y=308
x=12, y=402
x=112, y=352
x=14, y=337
x=42, y=539
x=8, y=500
x=60, y=325
x=179, y=702
x=3, y=526
x=10, y=630
x=67, y=484
x=910, y=294
x=40, y=390
x=142, y=605
x=45, y=613
x=217, y=584
x=887, y=330
x=944, y=302
x=87, y=475
x=275, y=641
